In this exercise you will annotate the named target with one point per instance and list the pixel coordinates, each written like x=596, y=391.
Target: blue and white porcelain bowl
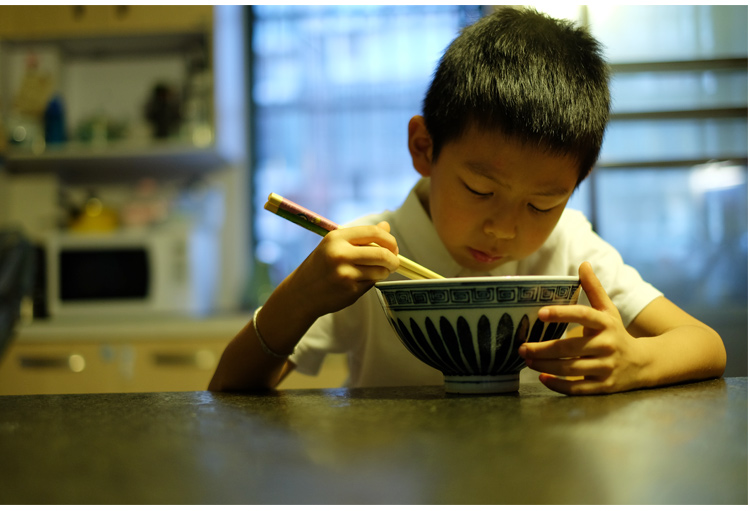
x=470, y=328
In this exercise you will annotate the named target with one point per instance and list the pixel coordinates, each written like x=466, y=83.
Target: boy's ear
x=420, y=145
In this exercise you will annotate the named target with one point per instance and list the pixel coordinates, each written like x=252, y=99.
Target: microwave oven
x=165, y=269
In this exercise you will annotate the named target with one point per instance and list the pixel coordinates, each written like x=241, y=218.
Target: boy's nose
x=500, y=228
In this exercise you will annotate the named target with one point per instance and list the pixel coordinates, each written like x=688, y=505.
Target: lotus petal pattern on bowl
x=470, y=329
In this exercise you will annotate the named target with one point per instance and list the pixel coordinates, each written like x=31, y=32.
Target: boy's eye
x=540, y=210
x=478, y=194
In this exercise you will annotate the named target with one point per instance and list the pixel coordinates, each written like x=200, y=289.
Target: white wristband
x=263, y=344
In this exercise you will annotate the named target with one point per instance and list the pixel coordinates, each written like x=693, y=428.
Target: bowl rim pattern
x=488, y=280
x=474, y=293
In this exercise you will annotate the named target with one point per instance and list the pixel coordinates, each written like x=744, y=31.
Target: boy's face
x=493, y=200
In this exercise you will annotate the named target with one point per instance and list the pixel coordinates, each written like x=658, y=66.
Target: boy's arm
x=244, y=365
x=683, y=348
x=341, y=268
x=662, y=345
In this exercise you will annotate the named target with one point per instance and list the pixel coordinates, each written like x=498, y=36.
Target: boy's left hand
x=604, y=359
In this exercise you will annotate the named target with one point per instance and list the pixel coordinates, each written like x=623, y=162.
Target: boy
x=512, y=123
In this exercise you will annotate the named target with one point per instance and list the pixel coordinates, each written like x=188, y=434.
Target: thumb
x=595, y=292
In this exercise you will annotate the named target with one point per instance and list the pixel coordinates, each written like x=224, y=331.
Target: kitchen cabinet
x=93, y=367
x=81, y=39
x=44, y=369
x=33, y=21
x=140, y=355
x=55, y=21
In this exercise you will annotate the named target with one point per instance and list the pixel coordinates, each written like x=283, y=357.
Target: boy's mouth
x=484, y=257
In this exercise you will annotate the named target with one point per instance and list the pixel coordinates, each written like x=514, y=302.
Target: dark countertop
x=411, y=445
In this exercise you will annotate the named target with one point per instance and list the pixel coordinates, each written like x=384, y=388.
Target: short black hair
x=534, y=78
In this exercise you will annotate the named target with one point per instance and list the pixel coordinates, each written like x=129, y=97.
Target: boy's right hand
x=341, y=269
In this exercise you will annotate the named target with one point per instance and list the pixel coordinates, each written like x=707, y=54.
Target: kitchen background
x=123, y=119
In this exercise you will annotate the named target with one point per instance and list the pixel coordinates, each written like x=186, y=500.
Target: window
x=670, y=190
x=334, y=89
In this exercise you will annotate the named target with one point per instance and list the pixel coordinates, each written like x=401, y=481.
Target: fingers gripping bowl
x=470, y=329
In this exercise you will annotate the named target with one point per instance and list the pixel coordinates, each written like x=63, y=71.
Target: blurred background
x=139, y=144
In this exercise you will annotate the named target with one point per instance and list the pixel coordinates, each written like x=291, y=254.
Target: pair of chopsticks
x=320, y=225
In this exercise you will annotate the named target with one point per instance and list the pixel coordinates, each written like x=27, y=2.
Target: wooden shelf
x=115, y=161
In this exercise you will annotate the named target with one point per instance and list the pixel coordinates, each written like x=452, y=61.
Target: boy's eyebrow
x=552, y=191
x=484, y=171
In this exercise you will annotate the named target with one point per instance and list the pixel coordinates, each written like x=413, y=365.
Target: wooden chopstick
x=322, y=226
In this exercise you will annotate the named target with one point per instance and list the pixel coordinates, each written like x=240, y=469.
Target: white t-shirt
x=376, y=356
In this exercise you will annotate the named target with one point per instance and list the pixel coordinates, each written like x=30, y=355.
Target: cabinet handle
x=122, y=11
x=201, y=359
x=74, y=363
x=79, y=11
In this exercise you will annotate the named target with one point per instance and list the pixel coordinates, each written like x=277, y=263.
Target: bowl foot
x=496, y=384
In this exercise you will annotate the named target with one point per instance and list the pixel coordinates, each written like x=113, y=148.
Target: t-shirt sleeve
x=572, y=242
x=624, y=285
x=315, y=344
